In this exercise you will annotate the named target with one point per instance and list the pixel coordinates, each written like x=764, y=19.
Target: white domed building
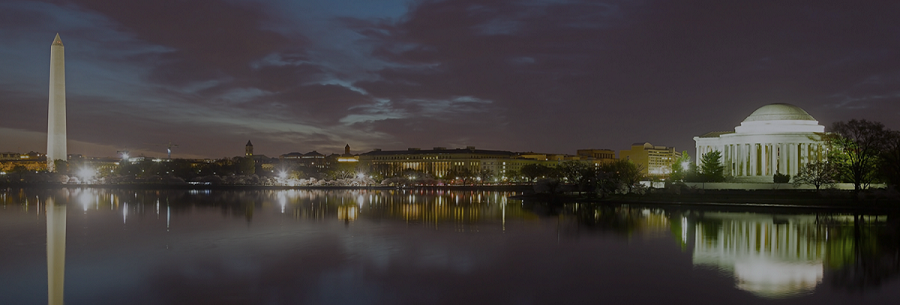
x=776, y=138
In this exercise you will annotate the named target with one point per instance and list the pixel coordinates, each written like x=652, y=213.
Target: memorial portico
x=776, y=138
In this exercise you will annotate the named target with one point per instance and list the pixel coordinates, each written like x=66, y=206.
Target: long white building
x=776, y=138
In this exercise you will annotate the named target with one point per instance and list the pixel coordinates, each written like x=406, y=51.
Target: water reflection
x=771, y=255
x=56, y=248
x=464, y=210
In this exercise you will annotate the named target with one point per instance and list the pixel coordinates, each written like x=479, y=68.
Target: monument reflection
x=55, y=204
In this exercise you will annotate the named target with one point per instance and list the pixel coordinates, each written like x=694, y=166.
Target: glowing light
x=86, y=174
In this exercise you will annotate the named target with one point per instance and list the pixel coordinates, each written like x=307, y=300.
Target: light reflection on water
x=769, y=257
x=454, y=237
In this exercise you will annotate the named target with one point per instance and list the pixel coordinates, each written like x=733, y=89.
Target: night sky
x=544, y=76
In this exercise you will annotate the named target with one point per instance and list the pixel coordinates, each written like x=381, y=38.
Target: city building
x=31, y=161
x=437, y=162
x=655, y=161
x=776, y=138
x=601, y=154
x=311, y=159
x=506, y=168
x=347, y=157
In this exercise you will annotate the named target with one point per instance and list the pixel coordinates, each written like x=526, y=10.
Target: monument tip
x=57, y=40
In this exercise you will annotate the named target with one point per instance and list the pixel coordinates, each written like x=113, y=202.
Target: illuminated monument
x=776, y=138
x=56, y=114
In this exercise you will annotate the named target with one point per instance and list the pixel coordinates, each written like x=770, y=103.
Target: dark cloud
x=19, y=18
x=20, y=112
x=550, y=76
x=208, y=39
x=621, y=72
x=316, y=104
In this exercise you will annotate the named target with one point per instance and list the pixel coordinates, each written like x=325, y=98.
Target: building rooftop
x=715, y=134
x=438, y=151
x=779, y=112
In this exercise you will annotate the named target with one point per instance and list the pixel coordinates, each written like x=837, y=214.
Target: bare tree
x=817, y=173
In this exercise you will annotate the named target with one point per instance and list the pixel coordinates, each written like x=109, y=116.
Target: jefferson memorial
x=776, y=138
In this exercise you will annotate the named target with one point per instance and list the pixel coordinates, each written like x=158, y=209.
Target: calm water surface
x=99, y=246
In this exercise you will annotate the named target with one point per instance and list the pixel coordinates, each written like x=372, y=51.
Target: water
x=100, y=246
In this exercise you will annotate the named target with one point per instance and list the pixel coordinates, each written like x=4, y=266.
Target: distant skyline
x=543, y=76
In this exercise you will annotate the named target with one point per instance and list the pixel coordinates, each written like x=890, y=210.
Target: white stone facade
x=776, y=138
x=56, y=113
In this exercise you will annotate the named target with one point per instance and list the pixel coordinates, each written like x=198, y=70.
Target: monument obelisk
x=56, y=115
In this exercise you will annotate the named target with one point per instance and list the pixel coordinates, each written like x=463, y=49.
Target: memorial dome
x=779, y=112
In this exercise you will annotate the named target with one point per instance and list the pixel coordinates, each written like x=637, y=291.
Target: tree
x=573, y=171
x=615, y=175
x=339, y=171
x=462, y=173
x=781, y=178
x=581, y=174
x=484, y=175
x=817, y=173
x=678, y=167
x=861, y=141
x=247, y=166
x=692, y=174
x=889, y=164
x=534, y=171
x=61, y=166
x=630, y=174
x=511, y=176
x=711, y=168
x=19, y=171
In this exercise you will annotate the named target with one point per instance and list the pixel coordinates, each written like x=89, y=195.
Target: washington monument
x=56, y=116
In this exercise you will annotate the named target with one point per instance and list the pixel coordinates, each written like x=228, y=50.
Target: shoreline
x=761, y=200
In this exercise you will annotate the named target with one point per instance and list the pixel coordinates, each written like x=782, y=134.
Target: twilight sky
x=520, y=75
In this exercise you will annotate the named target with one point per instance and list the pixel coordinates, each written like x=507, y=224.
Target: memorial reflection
x=769, y=255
